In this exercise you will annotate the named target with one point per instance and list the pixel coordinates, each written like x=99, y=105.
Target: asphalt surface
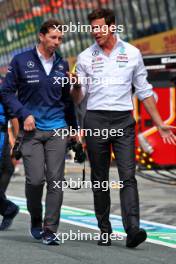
x=157, y=203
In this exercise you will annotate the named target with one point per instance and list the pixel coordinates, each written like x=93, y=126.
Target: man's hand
x=164, y=130
x=74, y=79
x=167, y=134
x=76, y=91
x=29, y=123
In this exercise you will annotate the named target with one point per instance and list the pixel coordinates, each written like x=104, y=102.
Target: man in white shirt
x=110, y=67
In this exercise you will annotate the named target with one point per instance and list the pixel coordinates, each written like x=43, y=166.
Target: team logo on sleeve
x=30, y=64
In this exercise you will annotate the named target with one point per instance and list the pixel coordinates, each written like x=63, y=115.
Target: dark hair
x=107, y=14
x=51, y=23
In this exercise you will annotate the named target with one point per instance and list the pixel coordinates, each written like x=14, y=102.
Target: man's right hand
x=29, y=123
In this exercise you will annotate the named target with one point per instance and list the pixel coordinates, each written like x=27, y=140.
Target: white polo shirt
x=108, y=79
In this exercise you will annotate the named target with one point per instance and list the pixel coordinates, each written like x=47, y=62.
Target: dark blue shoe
x=50, y=238
x=36, y=228
x=36, y=232
x=9, y=216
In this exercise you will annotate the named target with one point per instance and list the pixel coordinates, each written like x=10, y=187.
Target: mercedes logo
x=30, y=64
x=95, y=53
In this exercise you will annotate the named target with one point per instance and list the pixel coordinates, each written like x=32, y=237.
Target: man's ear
x=41, y=36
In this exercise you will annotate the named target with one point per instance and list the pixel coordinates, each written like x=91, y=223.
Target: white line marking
x=96, y=228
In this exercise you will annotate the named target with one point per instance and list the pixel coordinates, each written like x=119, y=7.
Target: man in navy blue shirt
x=42, y=106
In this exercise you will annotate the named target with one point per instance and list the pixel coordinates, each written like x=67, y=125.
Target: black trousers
x=5, y=205
x=7, y=167
x=99, y=152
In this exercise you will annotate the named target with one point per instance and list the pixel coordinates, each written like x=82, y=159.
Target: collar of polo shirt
x=118, y=43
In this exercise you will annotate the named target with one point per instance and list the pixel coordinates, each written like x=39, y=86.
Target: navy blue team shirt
x=28, y=90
